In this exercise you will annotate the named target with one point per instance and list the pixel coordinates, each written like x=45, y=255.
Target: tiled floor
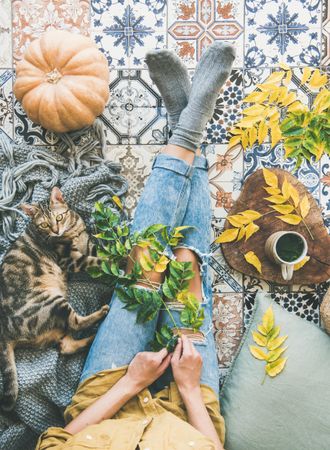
x=265, y=32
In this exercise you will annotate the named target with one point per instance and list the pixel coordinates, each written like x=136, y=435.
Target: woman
x=129, y=398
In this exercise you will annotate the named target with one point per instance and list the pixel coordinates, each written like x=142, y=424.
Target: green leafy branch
x=114, y=247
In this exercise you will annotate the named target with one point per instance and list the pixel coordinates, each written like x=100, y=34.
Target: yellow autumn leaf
x=290, y=98
x=254, y=110
x=274, y=94
x=262, y=131
x=273, y=344
x=294, y=195
x=274, y=332
x=253, y=134
x=301, y=263
x=251, y=214
x=252, y=258
x=259, y=339
x=268, y=319
x=227, y=236
x=288, y=77
x=269, y=87
x=304, y=206
x=276, y=367
x=275, y=77
x=235, y=131
x=322, y=101
x=275, y=354
x=273, y=115
x=245, y=140
x=270, y=178
x=146, y=263
x=292, y=219
x=272, y=191
x=282, y=94
x=241, y=234
x=249, y=121
x=258, y=353
x=250, y=230
x=306, y=74
x=117, y=201
x=317, y=80
x=297, y=106
x=284, y=66
x=285, y=189
x=237, y=220
x=277, y=199
x=161, y=265
x=256, y=97
x=283, y=209
x=262, y=330
x=275, y=133
x=234, y=141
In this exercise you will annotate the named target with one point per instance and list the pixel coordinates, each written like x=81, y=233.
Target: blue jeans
x=175, y=194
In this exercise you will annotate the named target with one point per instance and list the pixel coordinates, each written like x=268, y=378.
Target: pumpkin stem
x=54, y=76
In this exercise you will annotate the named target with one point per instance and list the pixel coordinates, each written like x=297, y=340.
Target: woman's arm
x=187, y=364
x=143, y=370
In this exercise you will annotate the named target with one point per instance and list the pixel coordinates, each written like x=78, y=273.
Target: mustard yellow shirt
x=148, y=422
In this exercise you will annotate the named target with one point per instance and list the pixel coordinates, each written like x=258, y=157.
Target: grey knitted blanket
x=47, y=380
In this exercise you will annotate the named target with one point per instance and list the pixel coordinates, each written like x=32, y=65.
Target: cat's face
x=56, y=220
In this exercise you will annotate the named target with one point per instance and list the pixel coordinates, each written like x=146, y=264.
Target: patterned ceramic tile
x=31, y=18
x=224, y=164
x=136, y=163
x=278, y=31
x=325, y=189
x=326, y=33
x=5, y=34
x=303, y=304
x=225, y=279
x=124, y=30
x=227, y=110
x=195, y=24
x=228, y=323
x=6, y=102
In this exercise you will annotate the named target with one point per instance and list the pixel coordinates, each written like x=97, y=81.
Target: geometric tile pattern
x=264, y=32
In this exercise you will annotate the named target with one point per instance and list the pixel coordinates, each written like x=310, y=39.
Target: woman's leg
x=164, y=200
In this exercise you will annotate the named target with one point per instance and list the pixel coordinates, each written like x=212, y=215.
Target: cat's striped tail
x=9, y=375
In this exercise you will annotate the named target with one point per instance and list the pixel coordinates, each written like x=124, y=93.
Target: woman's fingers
x=166, y=362
x=162, y=354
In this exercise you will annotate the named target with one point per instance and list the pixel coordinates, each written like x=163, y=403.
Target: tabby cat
x=33, y=278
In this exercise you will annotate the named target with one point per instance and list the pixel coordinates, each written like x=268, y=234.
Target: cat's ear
x=29, y=210
x=56, y=198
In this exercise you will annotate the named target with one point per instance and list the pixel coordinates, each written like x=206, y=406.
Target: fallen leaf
x=237, y=220
x=301, y=263
x=275, y=354
x=146, y=263
x=250, y=230
x=262, y=131
x=306, y=74
x=304, y=206
x=292, y=219
x=268, y=319
x=272, y=190
x=270, y=178
x=241, y=234
x=274, y=332
x=234, y=141
x=274, y=368
x=251, y=214
x=252, y=258
x=262, y=330
x=117, y=201
x=277, y=199
x=258, y=353
x=259, y=339
x=285, y=189
x=283, y=209
x=273, y=344
x=227, y=236
x=294, y=195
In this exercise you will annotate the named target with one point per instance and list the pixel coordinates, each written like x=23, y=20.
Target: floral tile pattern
x=5, y=34
x=6, y=102
x=264, y=32
x=31, y=18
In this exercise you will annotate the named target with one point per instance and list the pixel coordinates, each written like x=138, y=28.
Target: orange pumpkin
x=62, y=81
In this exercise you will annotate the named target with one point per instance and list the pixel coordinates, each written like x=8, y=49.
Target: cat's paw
x=104, y=310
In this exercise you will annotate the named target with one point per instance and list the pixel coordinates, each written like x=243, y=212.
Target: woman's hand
x=146, y=367
x=186, y=365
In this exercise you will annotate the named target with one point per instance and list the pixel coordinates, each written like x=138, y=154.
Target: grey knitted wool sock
x=171, y=78
x=211, y=73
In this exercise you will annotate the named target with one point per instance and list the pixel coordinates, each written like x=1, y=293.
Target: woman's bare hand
x=186, y=365
x=146, y=367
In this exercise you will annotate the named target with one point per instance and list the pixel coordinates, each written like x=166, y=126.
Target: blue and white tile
x=136, y=161
x=227, y=110
x=225, y=278
x=225, y=164
x=325, y=189
x=5, y=34
x=263, y=155
x=124, y=30
x=148, y=126
x=6, y=102
x=278, y=31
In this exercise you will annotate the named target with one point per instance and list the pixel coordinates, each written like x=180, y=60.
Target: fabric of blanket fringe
x=46, y=379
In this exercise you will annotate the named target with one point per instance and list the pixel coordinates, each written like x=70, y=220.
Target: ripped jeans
x=175, y=194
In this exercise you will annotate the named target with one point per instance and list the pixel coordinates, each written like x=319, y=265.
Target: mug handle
x=287, y=271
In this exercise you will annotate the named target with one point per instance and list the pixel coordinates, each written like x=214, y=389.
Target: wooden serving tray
x=316, y=270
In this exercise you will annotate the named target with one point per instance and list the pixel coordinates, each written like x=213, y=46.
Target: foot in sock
x=211, y=73
x=171, y=78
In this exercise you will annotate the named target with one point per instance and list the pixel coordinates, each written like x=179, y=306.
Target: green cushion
x=290, y=411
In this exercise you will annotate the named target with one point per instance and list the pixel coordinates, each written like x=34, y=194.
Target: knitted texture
x=47, y=380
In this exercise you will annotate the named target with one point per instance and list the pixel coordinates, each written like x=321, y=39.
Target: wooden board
x=316, y=270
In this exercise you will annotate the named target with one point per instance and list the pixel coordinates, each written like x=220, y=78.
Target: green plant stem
x=264, y=378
